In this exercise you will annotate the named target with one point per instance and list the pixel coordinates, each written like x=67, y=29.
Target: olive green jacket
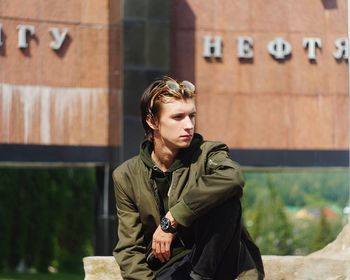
x=206, y=178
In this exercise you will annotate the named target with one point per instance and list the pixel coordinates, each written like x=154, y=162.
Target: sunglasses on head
x=177, y=87
x=185, y=85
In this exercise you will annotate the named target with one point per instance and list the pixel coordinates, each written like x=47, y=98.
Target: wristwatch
x=166, y=226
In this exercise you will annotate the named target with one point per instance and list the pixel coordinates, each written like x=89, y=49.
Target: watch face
x=164, y=224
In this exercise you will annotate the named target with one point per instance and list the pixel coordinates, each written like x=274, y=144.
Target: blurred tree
x=296, y=189
x=323, y=233
x=269, y=223
x=46, y=217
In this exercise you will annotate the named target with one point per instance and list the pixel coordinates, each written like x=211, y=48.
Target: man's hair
x=162, y=90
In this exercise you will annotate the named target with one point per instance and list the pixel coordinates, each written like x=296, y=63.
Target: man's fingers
x=167, y=250
x=161, y=250
x=161, y=244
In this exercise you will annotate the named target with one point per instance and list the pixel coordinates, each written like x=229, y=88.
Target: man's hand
x=161, y=244
x=162, y=241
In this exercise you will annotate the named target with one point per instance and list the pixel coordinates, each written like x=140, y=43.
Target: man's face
x=176, y=123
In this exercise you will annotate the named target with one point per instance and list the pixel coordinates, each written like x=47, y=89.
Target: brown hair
x=159, y=91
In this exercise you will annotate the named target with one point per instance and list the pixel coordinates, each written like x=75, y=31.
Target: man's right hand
x=161, y=244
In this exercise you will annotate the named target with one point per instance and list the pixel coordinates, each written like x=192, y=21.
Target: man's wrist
x=172, y=220
x=165, y=225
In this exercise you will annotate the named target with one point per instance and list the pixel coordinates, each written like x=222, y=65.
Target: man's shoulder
x=205, y=145
x=129, y=166
x=210, y=146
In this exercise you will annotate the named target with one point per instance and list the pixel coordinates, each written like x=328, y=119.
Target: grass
x=40, y=276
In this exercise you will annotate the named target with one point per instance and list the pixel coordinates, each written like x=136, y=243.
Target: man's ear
x=152, y=121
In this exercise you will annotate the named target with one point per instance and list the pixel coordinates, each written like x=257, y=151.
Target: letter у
x=212, y=48
x=22, y=35
x=58, y=37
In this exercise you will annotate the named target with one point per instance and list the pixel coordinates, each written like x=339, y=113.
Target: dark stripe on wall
x=101, y=155
x=291, y=158
x=58, y=154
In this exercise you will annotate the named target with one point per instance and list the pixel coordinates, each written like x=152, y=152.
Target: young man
x=178, y=201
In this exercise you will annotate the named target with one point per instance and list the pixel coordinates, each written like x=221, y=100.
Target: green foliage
x=312, y=188
x=46, y=217
x=269, y=224
x=323, y=234
x=269, y=195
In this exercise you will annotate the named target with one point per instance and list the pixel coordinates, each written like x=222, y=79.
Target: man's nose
x=189, y=123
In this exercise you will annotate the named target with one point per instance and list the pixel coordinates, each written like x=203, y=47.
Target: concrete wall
x=69, y=96
x=262, y=103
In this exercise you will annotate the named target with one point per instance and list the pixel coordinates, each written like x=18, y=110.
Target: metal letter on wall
x=22, y=35
x=245, y=47
x=342, y=48
x=212, y=48
x=279, y=48
x=311, y=44
x=58, y=37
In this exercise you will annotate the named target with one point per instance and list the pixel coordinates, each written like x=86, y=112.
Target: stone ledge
x=101, y=268
x=330, y=263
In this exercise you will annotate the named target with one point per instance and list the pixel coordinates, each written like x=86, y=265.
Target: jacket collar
x=183, y=158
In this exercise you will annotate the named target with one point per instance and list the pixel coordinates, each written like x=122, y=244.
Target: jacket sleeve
x=130, y=250
x=221, y=180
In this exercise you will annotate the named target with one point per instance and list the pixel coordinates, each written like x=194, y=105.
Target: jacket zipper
x=170, y=189
x=155, y=194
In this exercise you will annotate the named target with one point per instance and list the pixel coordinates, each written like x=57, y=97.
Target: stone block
x=115, y=11
x=62, y=11
x=93, y=56
x=234, y=15
x=63, y=69
x=312, y=119
x=21, y=66
x=341, y=122
x=101, y=268
x=335, y=71
x=305, y=76
x=245, y=121
x=95, y=11
x=336, y=16
x=269, y=15
x=330, y=263
x=20, y=9
x=306, y=16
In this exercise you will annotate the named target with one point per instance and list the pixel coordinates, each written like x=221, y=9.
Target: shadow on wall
x=330, y=4
x=182, y=41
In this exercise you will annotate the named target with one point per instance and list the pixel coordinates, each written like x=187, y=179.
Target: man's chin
x=185, y=144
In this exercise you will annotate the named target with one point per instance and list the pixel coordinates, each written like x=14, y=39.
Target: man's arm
x=222, y=180
x=130, y=250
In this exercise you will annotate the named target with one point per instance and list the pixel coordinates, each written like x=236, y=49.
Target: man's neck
x=163, y=157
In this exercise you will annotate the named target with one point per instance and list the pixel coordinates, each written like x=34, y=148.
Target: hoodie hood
x=183, y=158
